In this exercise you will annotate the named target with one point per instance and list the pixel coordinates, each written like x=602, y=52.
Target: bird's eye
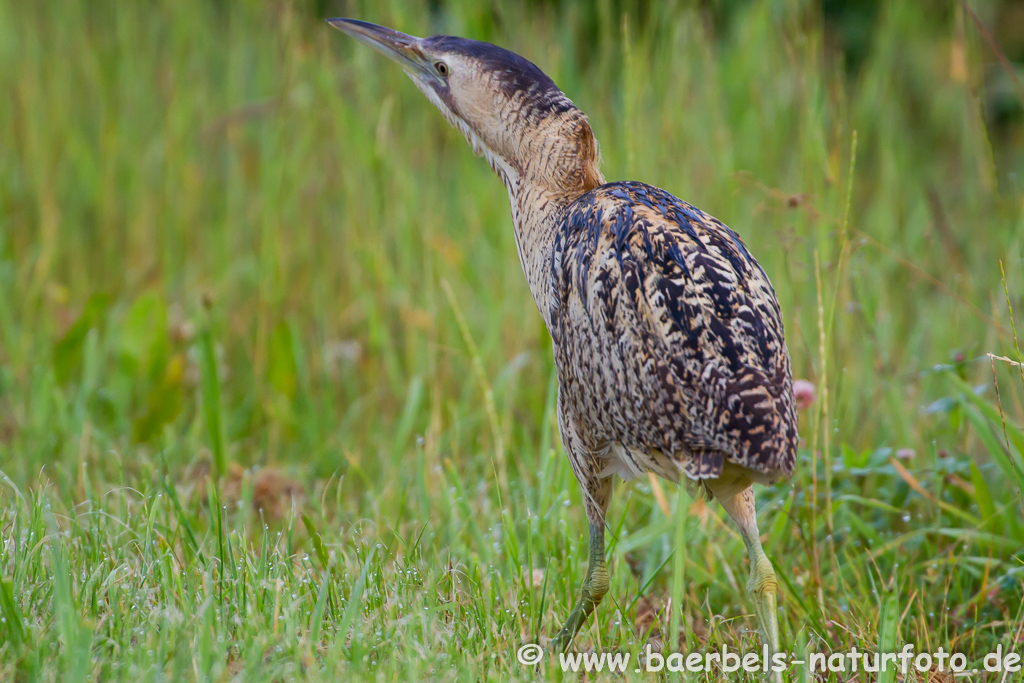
x=441, y=67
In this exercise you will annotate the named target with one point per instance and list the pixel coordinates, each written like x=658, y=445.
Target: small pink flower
x=905, y=454
x=805, y=393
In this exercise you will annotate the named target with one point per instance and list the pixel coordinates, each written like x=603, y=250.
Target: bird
x=667, y=335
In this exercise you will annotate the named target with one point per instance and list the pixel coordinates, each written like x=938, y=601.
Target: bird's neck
x=557, y=165
x=535, y=217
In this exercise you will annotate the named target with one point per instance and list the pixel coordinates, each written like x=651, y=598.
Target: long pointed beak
x=393, y=44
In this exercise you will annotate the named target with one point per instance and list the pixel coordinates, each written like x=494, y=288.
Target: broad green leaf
x=67, y=352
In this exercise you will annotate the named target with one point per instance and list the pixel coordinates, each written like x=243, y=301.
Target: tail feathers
x=703, y=464
x=760, y=418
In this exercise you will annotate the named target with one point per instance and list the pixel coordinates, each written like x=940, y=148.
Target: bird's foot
x=560, y=643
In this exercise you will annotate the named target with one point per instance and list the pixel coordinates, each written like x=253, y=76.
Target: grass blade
x=355, y=599
x=888, y=620
x=210, y=386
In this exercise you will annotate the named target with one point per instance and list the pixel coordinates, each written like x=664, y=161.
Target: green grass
x=242, y=262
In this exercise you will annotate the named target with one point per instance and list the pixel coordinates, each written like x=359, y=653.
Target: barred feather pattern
x=668, y=342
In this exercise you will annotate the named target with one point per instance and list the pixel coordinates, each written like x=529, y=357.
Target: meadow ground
x=275, y=403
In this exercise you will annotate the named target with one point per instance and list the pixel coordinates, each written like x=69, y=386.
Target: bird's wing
x=688, y=319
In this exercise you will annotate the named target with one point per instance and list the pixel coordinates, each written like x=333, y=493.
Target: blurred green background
x=236, y=247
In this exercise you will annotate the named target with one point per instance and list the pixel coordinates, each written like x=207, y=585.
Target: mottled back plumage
x=668, y=339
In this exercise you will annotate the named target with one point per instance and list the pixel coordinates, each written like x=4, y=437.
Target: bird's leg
x=762, y=585
x=597, y=493
x=595, y=586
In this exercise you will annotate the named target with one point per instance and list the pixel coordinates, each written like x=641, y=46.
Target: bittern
x=667, y=334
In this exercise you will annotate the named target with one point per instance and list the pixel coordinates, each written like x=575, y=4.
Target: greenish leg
x=763, y=590
x=762, y=585
x=595, y=586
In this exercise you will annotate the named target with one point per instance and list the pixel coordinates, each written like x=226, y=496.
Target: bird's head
x=508, y=109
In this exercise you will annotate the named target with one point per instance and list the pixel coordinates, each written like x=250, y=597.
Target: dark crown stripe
x=514, y=73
